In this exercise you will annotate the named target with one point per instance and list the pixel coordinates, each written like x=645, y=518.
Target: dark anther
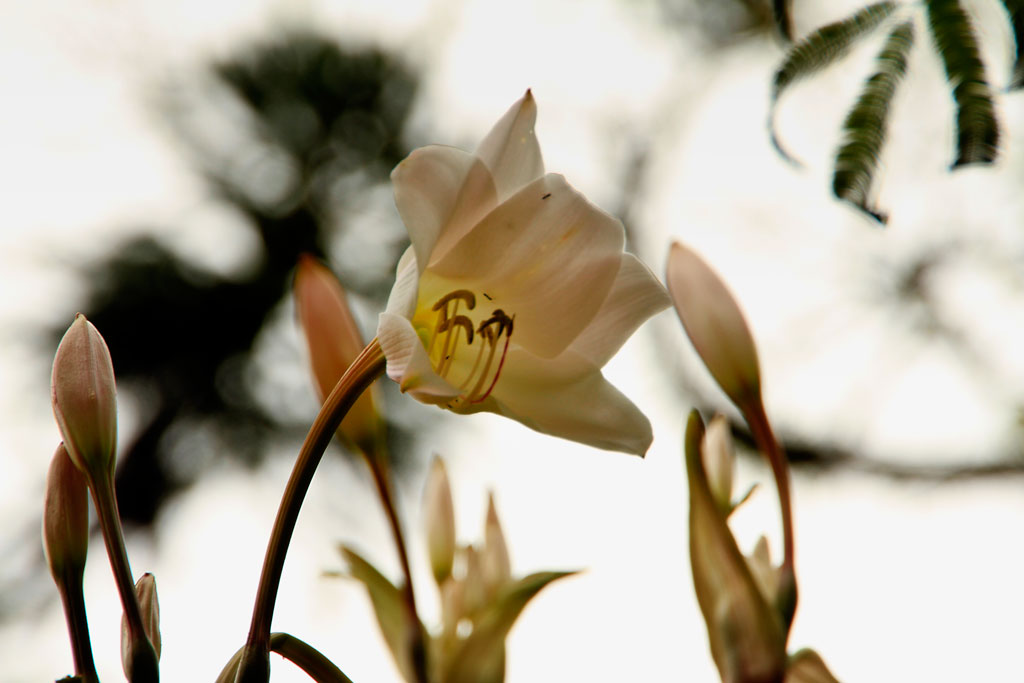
x=546, y=196
x=500, y=319
x=463, y=294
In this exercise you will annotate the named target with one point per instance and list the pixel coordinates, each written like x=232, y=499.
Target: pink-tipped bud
x=149, y=606
x=85, y=398
x=439, y=513
x=65, y=517
x=716, y=326
x=334, y=342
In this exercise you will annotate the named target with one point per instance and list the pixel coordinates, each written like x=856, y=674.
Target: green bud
x=495, y=565
x=439, y=514
x=717, y=451
x=149, y=606
x=65, y=517
x=134, y=649
x=85, y=398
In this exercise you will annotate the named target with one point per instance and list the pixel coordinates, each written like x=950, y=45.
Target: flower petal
x=570, y=398
x=408, y=362
x=441, y=193
x=635, y=296
x=547, y=256
x=402, y=300
x=511, y=151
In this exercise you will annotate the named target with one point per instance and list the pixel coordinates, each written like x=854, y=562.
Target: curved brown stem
x=254, y=666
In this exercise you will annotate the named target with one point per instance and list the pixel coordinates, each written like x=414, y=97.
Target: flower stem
x=146, y=667
x=254, y=666
x=78, y=625
x=766, y=442
x=307, y=658
x=378, y=464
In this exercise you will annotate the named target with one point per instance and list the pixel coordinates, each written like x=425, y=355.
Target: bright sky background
x=898, y=581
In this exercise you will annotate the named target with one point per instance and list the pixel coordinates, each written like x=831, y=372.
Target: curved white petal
x=635, y=296
x=511, y=151
x=547, y=256
x=408, y=363
x=441, y=193
x=402, y=300
x=570, y=398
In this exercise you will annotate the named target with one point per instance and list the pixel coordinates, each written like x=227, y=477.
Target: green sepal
x=389, y=606
x=481, y=656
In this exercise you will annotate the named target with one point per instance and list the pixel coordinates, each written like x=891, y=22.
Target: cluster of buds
x=480, y=599
x=748, y=603
x=84, y=397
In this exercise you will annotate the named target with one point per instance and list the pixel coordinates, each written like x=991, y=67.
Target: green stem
x=145, y=668
x=254, y=666
x=379, y=468
x=78, y=625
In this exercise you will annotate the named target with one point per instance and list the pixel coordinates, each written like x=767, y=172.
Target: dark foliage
x=180, y=337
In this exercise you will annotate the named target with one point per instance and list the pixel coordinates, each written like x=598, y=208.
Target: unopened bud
x=717, y=451
x=334, y=341
x=85, y=398
x=497, y=570
x=716, y=326
x=149, y=606
x=65, y=517
x=439, y=513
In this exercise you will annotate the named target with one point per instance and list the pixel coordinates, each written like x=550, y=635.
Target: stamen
x=490, y=331
x=463, y=294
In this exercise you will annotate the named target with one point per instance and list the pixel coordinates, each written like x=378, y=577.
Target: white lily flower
x=514, y=292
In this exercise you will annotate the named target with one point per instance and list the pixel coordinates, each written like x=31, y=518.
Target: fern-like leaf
x=1015, y=8
x=865, y=126
x=976, y=125
x=820, y=49
x=783, y=18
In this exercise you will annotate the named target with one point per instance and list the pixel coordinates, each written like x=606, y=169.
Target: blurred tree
x=180, y=336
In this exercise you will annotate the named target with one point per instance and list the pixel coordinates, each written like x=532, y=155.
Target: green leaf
x=389, y=606
x=976, y=125
x=481, y=657
x=307, y=658
x=783, y=18
x=865, y=126
x=806, y=666
x=820, y=49
x=1015, y=8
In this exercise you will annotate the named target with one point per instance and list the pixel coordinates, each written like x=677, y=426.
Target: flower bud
x=440, y=517
x=149, y=606
x=494, y=558
x=713, y=321
x=718, y=461
x=65, y=517
x=334, y=341
x=85, y=398
x=746, y=634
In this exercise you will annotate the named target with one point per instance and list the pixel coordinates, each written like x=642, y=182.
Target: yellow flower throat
x=453, y=334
